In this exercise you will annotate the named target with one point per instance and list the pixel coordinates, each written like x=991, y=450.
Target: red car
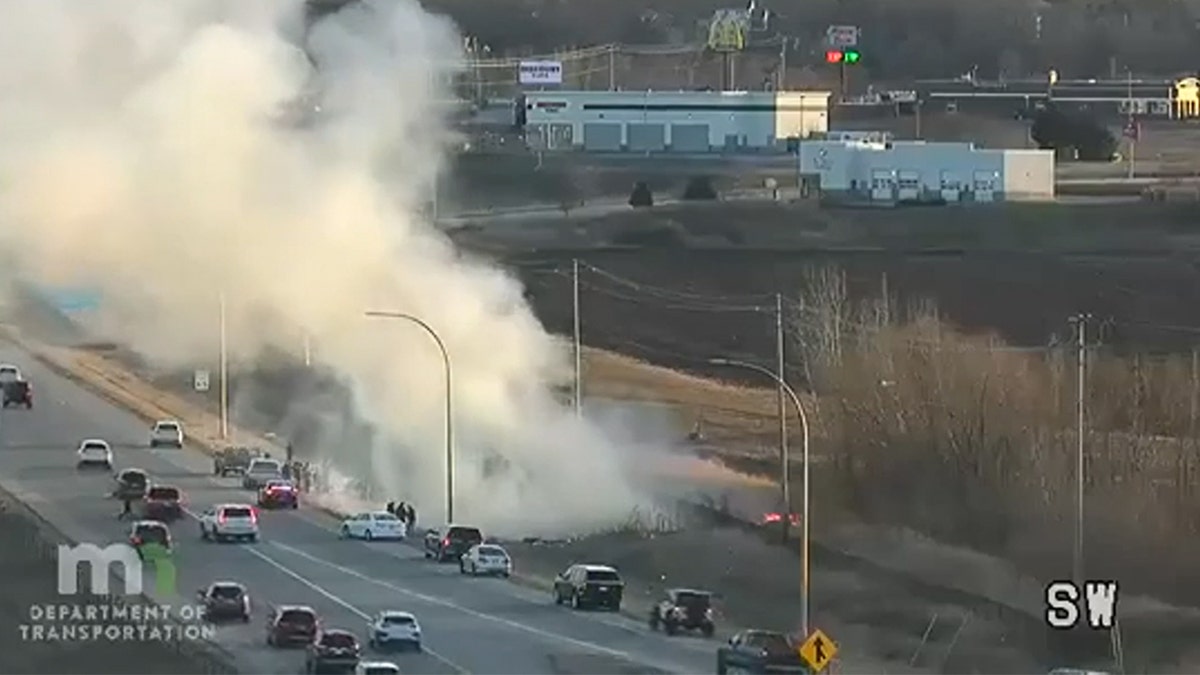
x=279, y=494
x=292, y=625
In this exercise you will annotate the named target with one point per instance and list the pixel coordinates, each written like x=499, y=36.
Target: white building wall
x=915, y=170
x=771, y=119
x=1028, y=175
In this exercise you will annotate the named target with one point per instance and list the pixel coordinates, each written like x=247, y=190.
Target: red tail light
x=253, y=515
x=446, y=541
x=221, y=518
x=136, y=541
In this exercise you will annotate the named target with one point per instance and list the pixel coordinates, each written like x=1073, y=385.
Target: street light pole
x=449, y=401
x=804, y=541
x=224, y=369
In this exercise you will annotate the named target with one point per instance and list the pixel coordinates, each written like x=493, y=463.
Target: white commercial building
x=681, y=122
x=916, y=171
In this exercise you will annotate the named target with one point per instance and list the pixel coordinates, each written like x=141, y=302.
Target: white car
x=392, y=628
x=167, y=433
x=373, y=525
x=94, y=452
x=229, y=521
x=486, y=559
x=9, y=373
x=260, y=472
x=376, y=668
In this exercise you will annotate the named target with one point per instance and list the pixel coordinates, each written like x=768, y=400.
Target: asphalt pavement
x=470, y=625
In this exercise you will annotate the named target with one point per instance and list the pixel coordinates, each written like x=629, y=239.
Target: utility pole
x=1080, y=321
x=783, y=437
x=1131, y=127
x=578, y=338
x=781, y=84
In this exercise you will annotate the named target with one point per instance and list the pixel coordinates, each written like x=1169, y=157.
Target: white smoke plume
x=147, y=150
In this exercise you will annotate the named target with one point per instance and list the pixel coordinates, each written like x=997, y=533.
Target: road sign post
x=818, y=651
x=843, y=39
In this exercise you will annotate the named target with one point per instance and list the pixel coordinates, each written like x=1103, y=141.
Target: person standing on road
x=410, y=516
x=126, y=508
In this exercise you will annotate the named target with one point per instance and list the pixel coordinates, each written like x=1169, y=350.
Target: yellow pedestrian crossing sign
x=818, y=650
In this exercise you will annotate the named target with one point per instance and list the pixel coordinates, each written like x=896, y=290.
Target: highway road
x=470, y=625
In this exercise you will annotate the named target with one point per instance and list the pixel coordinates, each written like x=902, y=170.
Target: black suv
x=131, y=484
x=334, y=651
x=760, y=651
x=451, y=545
x=683, y=608
x=586, y=586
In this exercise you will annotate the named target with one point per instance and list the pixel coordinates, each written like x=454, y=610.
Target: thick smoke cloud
x=155, y=149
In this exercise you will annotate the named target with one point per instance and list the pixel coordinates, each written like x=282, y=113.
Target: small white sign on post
x=200, y=380
x=842, y=36
x=540, y=72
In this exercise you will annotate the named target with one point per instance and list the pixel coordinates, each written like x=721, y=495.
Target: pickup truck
x=760, y=651
x=234, y=460
x=18, y=393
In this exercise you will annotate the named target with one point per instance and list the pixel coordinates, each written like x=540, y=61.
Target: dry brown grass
x=732, y=417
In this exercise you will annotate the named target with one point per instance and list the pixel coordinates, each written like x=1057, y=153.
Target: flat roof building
x=675, y=122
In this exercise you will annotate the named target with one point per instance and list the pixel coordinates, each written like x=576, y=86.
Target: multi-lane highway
x=470, y=625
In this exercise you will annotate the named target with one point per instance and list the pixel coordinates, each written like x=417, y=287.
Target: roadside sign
x=540, y=72
x=818, y=650
x=200, y=380
x=840, y=37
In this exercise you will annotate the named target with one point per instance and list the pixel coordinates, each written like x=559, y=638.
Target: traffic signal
x=848, y=56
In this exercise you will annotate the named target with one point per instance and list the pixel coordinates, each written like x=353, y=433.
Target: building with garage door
x=674, y=122
x=917, y=171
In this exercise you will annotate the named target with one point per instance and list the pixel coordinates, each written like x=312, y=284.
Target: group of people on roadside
x=405, y=512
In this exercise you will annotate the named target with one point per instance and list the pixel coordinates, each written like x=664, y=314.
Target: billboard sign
x=540, y=72
x=840, y=37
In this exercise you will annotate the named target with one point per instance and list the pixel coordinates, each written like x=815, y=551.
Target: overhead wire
x=671, y=293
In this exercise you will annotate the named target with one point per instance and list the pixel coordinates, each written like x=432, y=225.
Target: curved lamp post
x=449, y=400
x=785, y=479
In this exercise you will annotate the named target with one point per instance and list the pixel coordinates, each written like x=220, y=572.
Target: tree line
x=901, y=38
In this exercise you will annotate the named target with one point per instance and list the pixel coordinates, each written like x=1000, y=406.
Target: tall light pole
x=449, y=400
x=224, y=369
x=804, y=541
x=578, y=339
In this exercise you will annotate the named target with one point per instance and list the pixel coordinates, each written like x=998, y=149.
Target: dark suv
x=292, y=625
x=683, y=608
x=586, y=586
x=334, y=651
x=451, y=545
x=760, y=651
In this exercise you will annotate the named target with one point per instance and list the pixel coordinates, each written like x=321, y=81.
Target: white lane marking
x=344, y=603
x=328, y=594
x=516, y=625
x=532, y=596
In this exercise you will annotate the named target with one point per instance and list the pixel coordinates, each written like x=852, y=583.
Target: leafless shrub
x=973, y=442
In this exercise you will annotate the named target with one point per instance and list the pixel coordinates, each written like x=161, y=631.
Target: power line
x=676, y=294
